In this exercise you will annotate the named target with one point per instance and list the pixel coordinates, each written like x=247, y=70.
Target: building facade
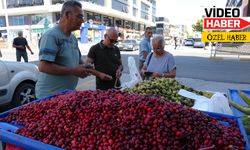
x=244, y=6
x=33, y=17
x=162, y=26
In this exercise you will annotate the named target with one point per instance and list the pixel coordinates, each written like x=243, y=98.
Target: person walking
x=175, y=42
x=145, y=46
x=60, y=62
x=106, y=58
x=20, y=43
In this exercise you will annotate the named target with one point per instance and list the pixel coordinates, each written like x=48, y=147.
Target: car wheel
x=24, y=94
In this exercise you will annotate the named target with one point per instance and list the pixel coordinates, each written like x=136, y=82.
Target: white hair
x=159, y=39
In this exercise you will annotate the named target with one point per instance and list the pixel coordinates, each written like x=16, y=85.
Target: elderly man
x=60, y=58
x=106, y=58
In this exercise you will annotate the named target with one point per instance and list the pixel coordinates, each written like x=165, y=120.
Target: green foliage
x=198, y=26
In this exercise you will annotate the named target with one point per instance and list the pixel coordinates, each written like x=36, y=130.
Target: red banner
x=225, y=23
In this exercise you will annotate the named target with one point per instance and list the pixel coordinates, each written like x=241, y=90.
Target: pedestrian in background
x=160, y=63
x=175, y=42
x=60, y=62
x=20, y=43
x=106, y=58
x=145, y=46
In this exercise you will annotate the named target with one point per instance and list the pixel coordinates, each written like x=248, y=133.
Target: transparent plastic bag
x=134, y=74
x=218, y=103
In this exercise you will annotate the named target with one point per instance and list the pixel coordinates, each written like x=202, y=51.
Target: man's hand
x=31, y=52
x=21, y=47
x=81, y=72
x=118, y=73
x=105, y=76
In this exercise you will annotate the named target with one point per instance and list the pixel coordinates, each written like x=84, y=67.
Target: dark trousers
x=20, y=54
x=141, y=63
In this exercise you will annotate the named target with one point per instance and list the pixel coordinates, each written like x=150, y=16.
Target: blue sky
x=185, y=11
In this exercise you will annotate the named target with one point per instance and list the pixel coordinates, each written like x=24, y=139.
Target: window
x=120, y=6
x=135, y=11
x=38, y=2
x=160, y=19
x=24, y=3
x=136, y=26
x=18, y=20
x=135, y=2
x=159, y=25
x=144, y=7
x=153, y=18
x=108, y=21
x=93, y=17
x=2, y=21
x=119, y=23
x=57, y=1
x=128, y=24
x=12, y=3
x=154, y=11
x=98, y=2
x=37, y=18
x=144, y=15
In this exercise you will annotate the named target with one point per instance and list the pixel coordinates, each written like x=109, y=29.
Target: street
x=201, y=67
x=193, y=63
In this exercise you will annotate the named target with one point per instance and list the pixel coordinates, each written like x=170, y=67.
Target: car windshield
x=197, y=40
x=129, y=41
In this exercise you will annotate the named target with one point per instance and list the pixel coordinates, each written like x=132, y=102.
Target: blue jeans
x=20, y=54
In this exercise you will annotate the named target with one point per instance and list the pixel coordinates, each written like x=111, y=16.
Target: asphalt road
x=229, y=70
x=199, y=66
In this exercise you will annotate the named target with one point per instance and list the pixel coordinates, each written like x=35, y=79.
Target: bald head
x=20, y=33
x=112, y=31
x=110, y=38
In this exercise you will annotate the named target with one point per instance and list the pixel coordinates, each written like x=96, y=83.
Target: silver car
x=198, y=43
x=128, y=45
x=17, y=82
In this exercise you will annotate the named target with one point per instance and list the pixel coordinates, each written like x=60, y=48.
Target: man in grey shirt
x=60, y=62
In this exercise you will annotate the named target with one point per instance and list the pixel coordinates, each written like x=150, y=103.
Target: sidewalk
x=89, y=83
x=10, y=54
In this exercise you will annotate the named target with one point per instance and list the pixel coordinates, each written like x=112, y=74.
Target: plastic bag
x=218, y=103
x=134, y=74
x=200, y=103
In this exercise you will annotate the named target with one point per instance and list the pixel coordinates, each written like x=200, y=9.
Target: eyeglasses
x=112, y=40
x=157, y=49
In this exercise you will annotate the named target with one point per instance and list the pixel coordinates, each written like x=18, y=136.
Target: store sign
x=221, y=19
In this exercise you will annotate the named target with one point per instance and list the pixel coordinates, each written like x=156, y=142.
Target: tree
x=198, y=26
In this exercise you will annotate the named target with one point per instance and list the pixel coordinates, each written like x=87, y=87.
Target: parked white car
x=198, y=43
x=17, y=82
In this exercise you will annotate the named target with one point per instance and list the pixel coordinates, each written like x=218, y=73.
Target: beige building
x=33, y=17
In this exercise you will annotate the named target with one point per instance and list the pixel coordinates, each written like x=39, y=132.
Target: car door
x=4, y=80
